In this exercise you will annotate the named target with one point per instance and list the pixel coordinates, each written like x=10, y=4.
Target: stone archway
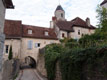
x=30, y=62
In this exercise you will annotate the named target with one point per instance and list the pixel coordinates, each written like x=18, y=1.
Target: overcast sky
x=40, y=12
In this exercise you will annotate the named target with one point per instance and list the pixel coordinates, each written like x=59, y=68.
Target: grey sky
x=40, y=12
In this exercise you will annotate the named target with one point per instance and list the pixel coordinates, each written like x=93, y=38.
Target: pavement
x=29, y=74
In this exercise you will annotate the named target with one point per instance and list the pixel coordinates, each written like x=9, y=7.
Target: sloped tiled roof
x=8, y=3
x=81, y=23
x=59, y=7
x=77, y=22
x=65, y=25
x=38, y=32
x=13, y=29
x=105, y=1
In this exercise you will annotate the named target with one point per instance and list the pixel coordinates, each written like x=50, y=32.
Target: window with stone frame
x=79, y=32
x=37, y=45
x=7, y=49
x=63, y=35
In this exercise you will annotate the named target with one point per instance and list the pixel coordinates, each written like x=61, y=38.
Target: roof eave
x=8, y=4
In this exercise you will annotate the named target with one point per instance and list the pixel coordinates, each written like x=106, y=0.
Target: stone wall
x=10, y=69
x=2, y=38
x=58, y=72
x=2, y=16
x=41, y=65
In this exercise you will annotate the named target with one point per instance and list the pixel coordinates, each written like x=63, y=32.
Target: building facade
x=26, y=40
x=104, y=4
x=75, y=28
x=3, y=5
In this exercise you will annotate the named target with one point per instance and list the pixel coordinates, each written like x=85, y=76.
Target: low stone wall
x=58, y=72
x=10, y=69
x=41, y=65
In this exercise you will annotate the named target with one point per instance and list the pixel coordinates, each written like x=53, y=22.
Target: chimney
x=54, y=18
x=88, y=21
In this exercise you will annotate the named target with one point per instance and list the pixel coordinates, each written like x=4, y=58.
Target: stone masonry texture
x=2, y=16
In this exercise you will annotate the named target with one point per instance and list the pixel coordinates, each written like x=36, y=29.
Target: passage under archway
x=30, y=62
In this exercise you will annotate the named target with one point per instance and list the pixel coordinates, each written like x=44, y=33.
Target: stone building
x=75, y=28
x=26, y=40
x=3, y=5
x=104, y=4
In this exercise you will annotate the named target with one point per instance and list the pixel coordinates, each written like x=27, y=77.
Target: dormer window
x=29, y=31
x=46, y=33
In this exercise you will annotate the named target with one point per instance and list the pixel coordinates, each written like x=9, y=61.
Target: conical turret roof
x=59, y=7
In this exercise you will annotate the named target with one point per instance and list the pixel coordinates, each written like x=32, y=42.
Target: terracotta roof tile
x=68, y=25
x=81, y=23
x=65, y=25
x=105, y=1
x=12, y=28
x=38, y=32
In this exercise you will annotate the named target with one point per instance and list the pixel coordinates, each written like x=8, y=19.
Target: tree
x=10, y=53
x=102, y=17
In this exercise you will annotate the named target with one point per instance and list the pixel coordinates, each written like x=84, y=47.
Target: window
x=37, y=45
x=78, y=32
x=29, y=31
x=61, y=14
x=46, y=34
x=30, y=44
x=82, y=34
x=7, y=48
x=63, y=35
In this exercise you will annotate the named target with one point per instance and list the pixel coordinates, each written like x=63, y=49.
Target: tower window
x=61, y=14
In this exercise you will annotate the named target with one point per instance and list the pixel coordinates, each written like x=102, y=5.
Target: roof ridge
x=34, y=26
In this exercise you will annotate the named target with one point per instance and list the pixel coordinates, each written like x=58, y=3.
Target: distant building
x=104, y=4
x=75, y=28
x=3, y=5
x=26, y=40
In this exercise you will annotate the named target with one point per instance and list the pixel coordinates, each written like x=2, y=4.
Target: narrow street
x=29, y=74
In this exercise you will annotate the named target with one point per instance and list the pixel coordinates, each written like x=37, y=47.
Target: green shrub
x=10, y=53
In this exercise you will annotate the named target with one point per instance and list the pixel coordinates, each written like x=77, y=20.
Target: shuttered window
x=30, y=44
x=37, y=45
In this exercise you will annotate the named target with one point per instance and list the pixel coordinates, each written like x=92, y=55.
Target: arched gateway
x=30, y=62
